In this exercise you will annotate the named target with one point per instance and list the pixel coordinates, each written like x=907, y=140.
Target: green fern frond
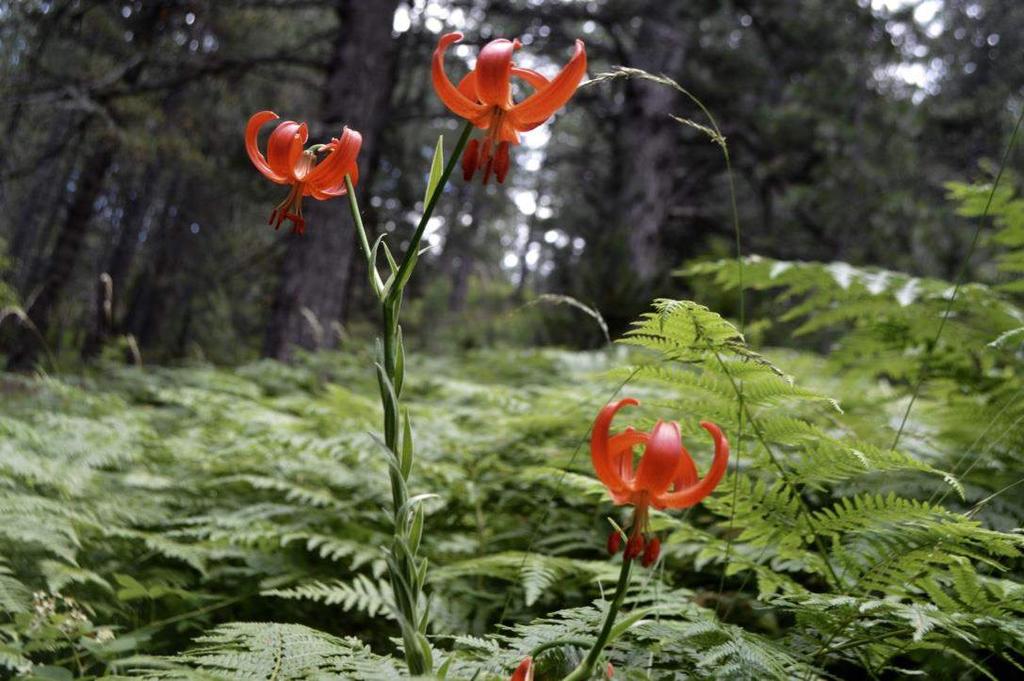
x=533, y=571
x=15, y=596
x=362, y=593
x=281, y=652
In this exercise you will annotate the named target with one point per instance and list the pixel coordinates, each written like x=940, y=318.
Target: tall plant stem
x=406, y=570
x=586, y=668
x=411, y=254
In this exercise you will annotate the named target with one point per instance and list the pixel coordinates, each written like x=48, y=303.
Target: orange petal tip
x=449, y=38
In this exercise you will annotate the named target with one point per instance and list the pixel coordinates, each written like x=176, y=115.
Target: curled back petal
x=457, y=102
x=542, y=104
x=467, y=86
x=693, y=494
x=494, y=73
x=620, y=451
x=252, y=129
x=323, y=191
x=531, y=126
x=322, y=194
x=285, y=147
x=536, y=80
x=660, y=461
x=599, y=449
x=331, y=171
x=686, y=473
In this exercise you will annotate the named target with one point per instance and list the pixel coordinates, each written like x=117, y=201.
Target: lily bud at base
x=635, y=546
x=614, y=542
x=652, y=552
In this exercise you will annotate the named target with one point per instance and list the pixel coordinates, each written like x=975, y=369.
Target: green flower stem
x=364, y=244
x=407, y=572
x=357, y=218
x=405, y=269
x=586, y=668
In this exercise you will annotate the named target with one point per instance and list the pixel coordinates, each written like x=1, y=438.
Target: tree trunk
x=104, y=322
x=114, y=276
x=652, y=140
x=65, y=254
x=71, y=237
x=145, y=315
x=36, y=216
x=317, y=265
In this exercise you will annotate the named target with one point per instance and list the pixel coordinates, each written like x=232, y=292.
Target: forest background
x=124, y=157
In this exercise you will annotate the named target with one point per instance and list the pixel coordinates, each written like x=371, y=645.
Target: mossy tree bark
x=316, y=267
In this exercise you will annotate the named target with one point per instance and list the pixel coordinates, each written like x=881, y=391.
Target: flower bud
x=614, y=542
x=470, y=159
x=635, y=546
x=501, y=162
x=652, y=552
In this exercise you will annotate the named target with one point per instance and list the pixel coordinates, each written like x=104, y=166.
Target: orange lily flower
x=288, y=163
x=484, y=97
x=524, y=672
x=666, y=476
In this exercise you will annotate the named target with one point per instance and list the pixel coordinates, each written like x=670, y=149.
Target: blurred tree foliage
x=124, y=157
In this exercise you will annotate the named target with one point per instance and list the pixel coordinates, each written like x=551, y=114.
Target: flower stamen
x=290, y=209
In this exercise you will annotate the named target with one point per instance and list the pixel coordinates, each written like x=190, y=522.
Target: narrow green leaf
x=416, y=531
x=442, y=671
x=390, y=258
x=406, y=458
x=399, y=361
x=375, y=281
x=436, y=169
x=390, y=401
x=413, y=501
x=421, y=573
x=428, y=655
x=628, y=621
x=424, y=620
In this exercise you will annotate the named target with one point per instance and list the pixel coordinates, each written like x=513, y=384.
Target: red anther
x=298, y=223
x=614, y=542
x=273, y=214
x=652, y=552
x=635, y=546
x=488, y=169
x=470, y=159
x=278, y=217
x=501, y=162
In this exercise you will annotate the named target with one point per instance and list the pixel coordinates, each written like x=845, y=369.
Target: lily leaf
x=436, y=168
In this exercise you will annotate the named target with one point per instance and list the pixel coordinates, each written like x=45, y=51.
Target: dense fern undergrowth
x=229, y=523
